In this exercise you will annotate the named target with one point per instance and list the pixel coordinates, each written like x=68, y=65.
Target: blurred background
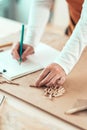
x=19, y=10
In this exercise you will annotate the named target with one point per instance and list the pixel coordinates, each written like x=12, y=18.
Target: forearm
x=75, y=45
x=38, y=18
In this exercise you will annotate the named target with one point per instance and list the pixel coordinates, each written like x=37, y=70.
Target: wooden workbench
x=76, y=87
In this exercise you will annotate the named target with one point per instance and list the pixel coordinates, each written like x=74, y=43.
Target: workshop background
x=15, y=9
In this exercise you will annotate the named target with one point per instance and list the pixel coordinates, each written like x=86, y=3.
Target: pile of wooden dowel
x=53, y=91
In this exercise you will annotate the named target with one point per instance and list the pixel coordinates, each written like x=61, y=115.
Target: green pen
x=21, y=44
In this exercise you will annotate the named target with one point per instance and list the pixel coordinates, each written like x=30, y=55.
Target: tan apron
x=75, y=7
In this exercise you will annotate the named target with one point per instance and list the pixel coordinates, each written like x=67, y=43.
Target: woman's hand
x=51, y=76
x=27, y=50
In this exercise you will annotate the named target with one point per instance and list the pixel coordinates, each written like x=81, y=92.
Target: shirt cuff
x=63, y=64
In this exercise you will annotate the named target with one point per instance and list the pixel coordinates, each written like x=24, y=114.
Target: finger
x=15, y=47
x=27, y=52
x=53, y=81
x=47, y=79
x=44, y=73
x=62, y=80
x=15, y=51
x=16, y=55
x=24, y=59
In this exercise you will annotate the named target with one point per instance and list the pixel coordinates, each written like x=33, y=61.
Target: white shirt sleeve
x=38, y=18
x=75, y=45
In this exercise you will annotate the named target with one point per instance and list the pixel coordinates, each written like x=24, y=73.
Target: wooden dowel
x=5, y=44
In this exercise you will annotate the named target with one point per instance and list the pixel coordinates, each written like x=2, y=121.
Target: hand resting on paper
x=27, y=50
x=52, y=75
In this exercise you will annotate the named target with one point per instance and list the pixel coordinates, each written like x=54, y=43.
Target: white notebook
x=44, y=55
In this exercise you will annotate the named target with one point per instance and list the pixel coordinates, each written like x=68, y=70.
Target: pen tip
x=19, y=63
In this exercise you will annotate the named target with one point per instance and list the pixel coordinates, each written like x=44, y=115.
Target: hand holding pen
x=20, y=51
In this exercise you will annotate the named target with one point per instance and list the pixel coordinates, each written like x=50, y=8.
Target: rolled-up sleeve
x=75, y=45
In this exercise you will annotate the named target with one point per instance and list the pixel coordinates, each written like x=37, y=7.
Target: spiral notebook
x=10, y=68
